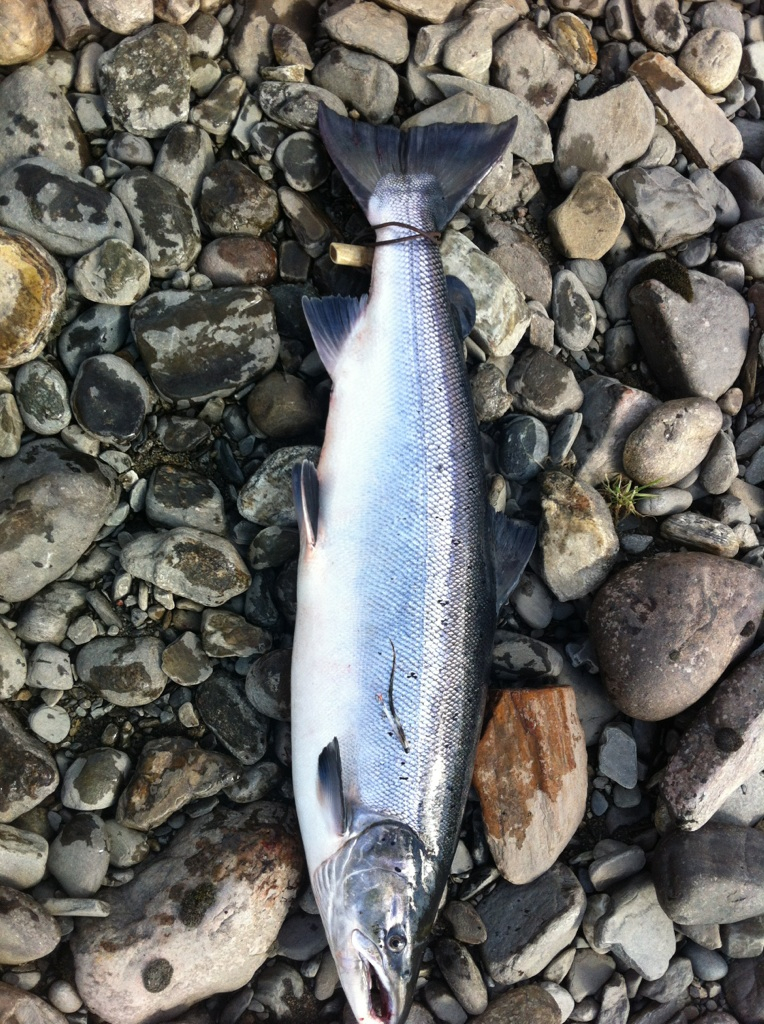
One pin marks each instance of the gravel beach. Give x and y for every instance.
(165, 205)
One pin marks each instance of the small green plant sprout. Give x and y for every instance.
(622, 494)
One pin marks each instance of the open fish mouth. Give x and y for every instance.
(379, 998)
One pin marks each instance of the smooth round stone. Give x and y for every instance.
(671, 441)
(591, 273)
(79, 855)
(523, 448)
(587, 224)
(255, 782)
(303, 160)
(127, 846)
(94, 780)
(711, 58)
(126, 671)
(113, 273)
(663, 207)
(664, 501)
(26, 31)
(720, 467)
(462, 975)
(234, 721)
(227, 635)
(575, 42)
(238, 260)
(216, 113)
(50, 724)
(32, 297)
(110, 399)
(180, 497)
(744, 989)
(572, 311)
(42, 397)
(273, 546)
(707, 964)
(745, 242)
(122, 18)
(236, 201)
(64, 996)
(27, 932)
(130, 149)
(366, 82)
(654, 660)
(281, 406)
(179, 434)
(185, 662)
(543, 386)
(23, 856)
(488, 385)
(98, 330)
(268, 684)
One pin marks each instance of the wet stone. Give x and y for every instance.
(366, 82)
(266, 498)
(542, 386)
(660, 25)
(183, 497)
(145, 80)
(488, 386)
(59, 209)
(227, 635)
(110, 399)
(529, 64)
(185, 158)
(34, 296)
(98, 330)
(79, 855)
(170, 773)
(573, 312)
(185, 662)
(303, 161)
(465, 922)
(13, 665)
(238, 260)
(296, 106)
(267, 685)
(42, 397)
(11, 426)
(636, 930)
(166, 229)
(221, 703)
(113, 273)
(236, 201)
(217, 112)
(663, 207)
(523, 448)
(27, 932)
(462, 975)
(23, 857)
(671, 441)
(618, 756)
(126, 671)
(93, 781)
(228, 338)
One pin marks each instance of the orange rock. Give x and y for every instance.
(26, 31)
(530, 775)
(33, 297)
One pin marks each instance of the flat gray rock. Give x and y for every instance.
(636, 929)
(364, 81)
(42, 397)
(527, 63)
(745, 242)
(23, 856)
(663, 207)
(110, 399)
(744, 989)
(199, 345)
(296, 105)
(543, 386)
(114, 272)
(575, 319)
(183, 497)
(184, 159)
(79, 855)
(126, 671)
(64, 212)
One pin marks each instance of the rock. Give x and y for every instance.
(502, 315)
(663, 207)
(746, 183)
(266, 498)
(268, 685)
(49, 126)
(612, 868)
(126, 848)
(489, 393)
(712, 876)
(23, 856)
(611, 411)
(604, 133)
(43, 398)
(711, 58)
(110, 399)
(527, 1005)
(217, 112)
(178, 497)
(13, 665)
(697, 531)
(543, 386)
(528, 63)
(704, 133)
(226, 635)
(26, 31)
(188, 562)
(719, 751)
(185, 662)
(745, 242)
(296, 106)
(741, 939)
(18, 1005)
(618, 756)
(663, 501)
(671, 441)
(11, 426)
(113, 273)
(578, 543)
(170, 773)
(368, 83)
(662, 28)
(529, 924)
(100, 329)
(743, 989)
(303, 160)
(462, 974)
(516, 655)
(707, 964)
(61, 210)
(573, 312)
(587, 224)
(235, 200)
(79, 856)
(72, 495)
(466, 923)
(588, 973)
(33, 301)
(234, 721)
(635, 929)
(27, 932)
(517, 255)
(166, 228)
(367, 27)
(93, 781)
(122, 18)
(673, 983)
(720, 466)
(145, 80)
(125, 670)
(679, 334)
(666, 628)
(574, 41)
(242, 866)
(185, 158)
(50, 724)
(433, 11)
(530, 775)
(523, 448)
(233, 260)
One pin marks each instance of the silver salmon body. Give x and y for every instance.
(396, 593)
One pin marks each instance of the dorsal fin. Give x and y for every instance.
(458, 155)
(463, 310)
(330, 791)
(305, 490)
(514, 542)
(332, 321)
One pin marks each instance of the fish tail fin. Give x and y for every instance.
(458, 155)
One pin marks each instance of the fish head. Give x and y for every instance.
(378, 897)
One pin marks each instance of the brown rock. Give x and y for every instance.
(17, 1006)
(666, 628)
(282, 406)
(587, 224)
(574, 41)
(530, 775)
(530, 1004)
(33, 293)
(519, 258)
(177, 12)
(196, 920)
(527, 63)
(723, 746)
(26, 31)
(433, 11)
(170, 773)
(124, 18)
(238, 259)
(27, 932)
(700, 126)
(27, 771)
(671, 441)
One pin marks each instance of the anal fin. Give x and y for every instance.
(330, 791)
(305, 489)
(514, 542)
(331, 321)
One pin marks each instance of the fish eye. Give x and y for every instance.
(396, 941)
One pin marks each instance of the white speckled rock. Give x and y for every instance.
(13, 665)
(113, 273)
(266, 498)
(50, 724)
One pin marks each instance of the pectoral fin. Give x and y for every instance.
(305, 489)
(463, 311)
(514, 542)
(330, 791)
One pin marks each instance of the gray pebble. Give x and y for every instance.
(360, 79)
(185, 158)
(42, 397)
(110, 398)
(98, 330)
(23, 857)
(183, 497)
(523, 449)
(672, 985)
(79, 855)
(707, 964)
(301, 937)
(113, 273)
(573, 312)
(462, 975)
(126, 671)
(664, 501)
(93, 781)
(220, 701)
(51, 724)
(303, 160)
(27, 931)
(612, 868)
